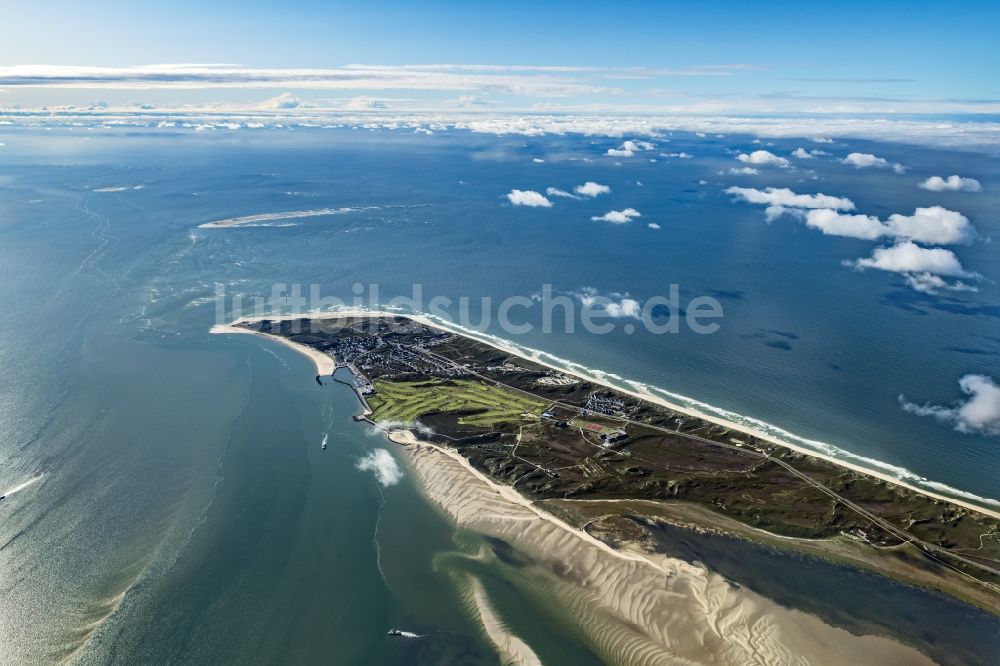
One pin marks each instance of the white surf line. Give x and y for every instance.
(267, 217)
(22, 486)
(827, 452)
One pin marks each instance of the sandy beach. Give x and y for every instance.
(325, 365)
(641, 394)
(634, 608)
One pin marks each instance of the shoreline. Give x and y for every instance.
(507, 347)
(325, 365)
(635, 607)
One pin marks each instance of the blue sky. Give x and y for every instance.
(799, 56)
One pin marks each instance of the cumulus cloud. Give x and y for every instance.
(802, 154)
(528, 198)
(763, 157)
(630, 148)
(954, 183)
(615, 305)
(618, 216)
(908, 257)
(867, 160)
(774, 212)
(743, 171)
(931, 284)
(591, 189)
(681, 155)
(383, 465)
(285, 100)
(935, 225)
(979, 413)
(556, 192)
(833, 223)
(774, 196)
(654, 225)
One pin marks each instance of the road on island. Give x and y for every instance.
(925, 548)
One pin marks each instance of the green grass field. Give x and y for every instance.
(406, 401)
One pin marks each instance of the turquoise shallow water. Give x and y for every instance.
(185, 511)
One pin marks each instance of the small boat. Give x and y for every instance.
(394, 632)
(324, 446)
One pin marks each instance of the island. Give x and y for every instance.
(615, 463)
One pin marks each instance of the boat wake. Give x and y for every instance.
(403, 634)
(18, 488)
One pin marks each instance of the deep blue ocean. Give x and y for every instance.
(180, 474)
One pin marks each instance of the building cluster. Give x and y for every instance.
(403, 359)
(606, 405)
(347, 349)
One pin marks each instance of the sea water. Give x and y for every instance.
(179, 505)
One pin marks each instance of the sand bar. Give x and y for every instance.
(636, 608)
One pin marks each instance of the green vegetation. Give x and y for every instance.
(481, 404)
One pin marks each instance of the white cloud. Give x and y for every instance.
(383, 465)
(802, 154)
(654, 225)
(771, 213)
(935, 225)
(743, 171)
(681, 155)
(538, 81)
(615, 305)
(591, 189)
(908, 257)
(954, 183)
(762, 157)
(932, 284)
(832, 223)
(636, 146)
(630, 148)
(773, 196)
(867, 160)
(556, 192)
(538, 160)
(618, 216)
(821, 139)
(528, 198)
(285, 100)
(979, 413)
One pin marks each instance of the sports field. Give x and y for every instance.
(407, 401)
